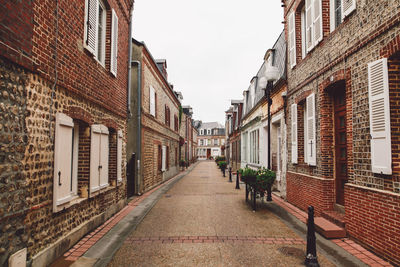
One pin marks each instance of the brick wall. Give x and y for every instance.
(155, 132)
(372, 217)
(13, 138)
(303, 191)
(371, 32)
(16, 31)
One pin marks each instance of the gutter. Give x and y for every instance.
(139, 120)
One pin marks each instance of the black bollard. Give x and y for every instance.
(254, 199)
(311, 254)
(230, 174)
(223, 171)
(237, 180)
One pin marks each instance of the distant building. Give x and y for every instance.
(232, 130)
(153, 142)
(211, 140)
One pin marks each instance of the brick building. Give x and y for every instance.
(232, 132)
(63, 122)
(254, 121)
(187, 134)
(211, 140)
(155, 140)
(343, 126)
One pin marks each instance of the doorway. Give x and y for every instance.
(130, 174)
(339, 98)
(208, 153)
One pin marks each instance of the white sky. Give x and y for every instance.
(213, 47)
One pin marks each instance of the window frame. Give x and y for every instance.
(101, 60)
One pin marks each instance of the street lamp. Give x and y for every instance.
(271, 75)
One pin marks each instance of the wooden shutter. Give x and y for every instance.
(95, 158)
(119, 155)
(311, 132)
(164, 158)
(167, 157)
(294, 133)
(104, 155)
(114, 43)
(62, 161)
(309, 25)
(348, 6)
(91, 10)
(152, 101)
(292, 40)
(379, 113)
(317, 27)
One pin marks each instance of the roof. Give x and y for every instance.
(211, 125)
(279, 61)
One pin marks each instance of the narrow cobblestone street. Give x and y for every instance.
(204, 221)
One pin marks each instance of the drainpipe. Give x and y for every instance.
(139, 123)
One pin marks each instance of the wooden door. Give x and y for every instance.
(208, 153)
(340, 143)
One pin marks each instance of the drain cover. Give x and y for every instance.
(204, 177)
(168, 196)
(291, 251)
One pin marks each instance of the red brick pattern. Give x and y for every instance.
(361, 253)
(303, 191)
(372, 217)
(215, 239)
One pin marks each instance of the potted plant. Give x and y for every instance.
(264, 182)
(222, 166)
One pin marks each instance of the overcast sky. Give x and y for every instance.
(213, 47)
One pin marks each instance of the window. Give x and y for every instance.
(244, 148)
(310, 131)
(101, 33)
(293, 111)
(254, 147)
(292, 40)
(201, 142)
(216, 142)
(159, 158)
(164, 159)
(114, 43)
(312, 19)
(176, 123)
(379, 116)
(65, 161)
(99, 155)
(167, 116)
(152, 101)
(208, 132)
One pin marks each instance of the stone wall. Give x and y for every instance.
(13, 139)
(44, 227)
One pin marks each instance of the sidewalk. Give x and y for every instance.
(77, 255)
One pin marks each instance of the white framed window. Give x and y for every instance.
(201, 131)
(293, 113)
(379, 117)
(201, 142)
(99, 155)
(65, 181)
(95, 29)
(114, 43)
(244, 146)
(152, 96)
(292, 40)
(303, 33)
(216, 142)
(255, 147)
(312, 23)
(208, 131)
(164, 159)
(311, 131)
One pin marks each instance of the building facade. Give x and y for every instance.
(211, 140)
(343, 62)
(254, 128)
(232, 130)
(63, 122)
(158, 141)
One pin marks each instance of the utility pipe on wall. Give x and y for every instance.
(139, 117)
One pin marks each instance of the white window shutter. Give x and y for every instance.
(90, 27)
(292, 40)
(164, 158)
(104, 155)
(348, 6)
(332, 16)
(309, 26)
(95, 158)
(114, 43)
(311, 131)
(294, 133)
(379, 113)
(119, 155)
(317, 27)
(62, 161)
(152, 101)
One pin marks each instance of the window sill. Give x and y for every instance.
(73, 201)
(103, 189)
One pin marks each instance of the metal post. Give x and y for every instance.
(230, 174)
(268, 92)
(254, 199)
(237, 180)
(311, 254)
